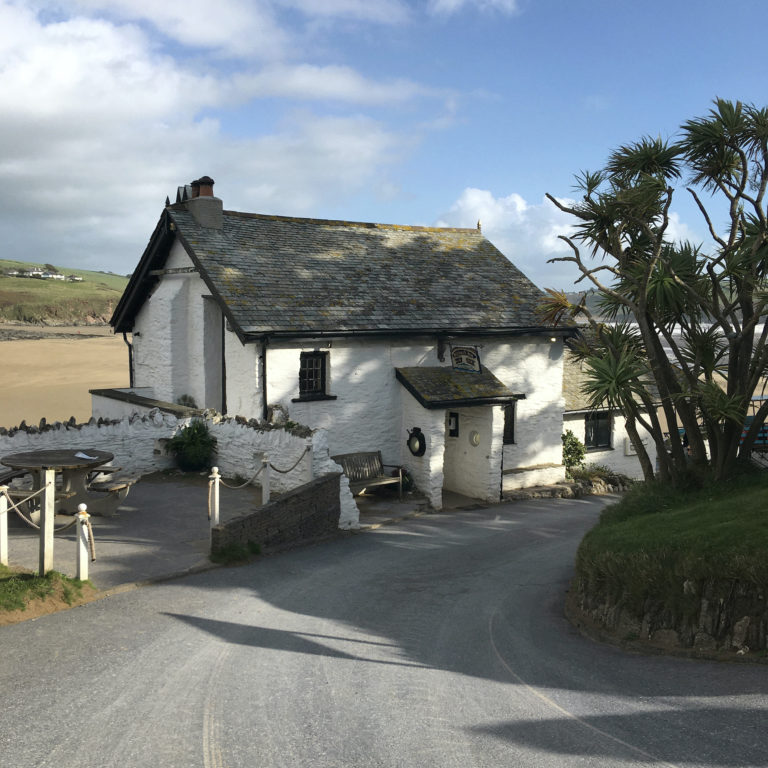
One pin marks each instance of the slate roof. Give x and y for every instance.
(574, 378)
(290, 276)
(444, 387)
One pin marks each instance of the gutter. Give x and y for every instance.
(251, 337)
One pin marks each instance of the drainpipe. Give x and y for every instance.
(263, 355)
(130, 359)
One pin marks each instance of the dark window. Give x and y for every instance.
(312, 374)
(597, 430)
(453, 424)
(509, 424)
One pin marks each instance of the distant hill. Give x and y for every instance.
(57, 301)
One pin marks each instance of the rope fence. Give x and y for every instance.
(215, 480)
(86, 543)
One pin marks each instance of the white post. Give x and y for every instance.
(310, 459)
(47, 518)
(265, 479)
(214, 478)
(83, 536)
(3, 525)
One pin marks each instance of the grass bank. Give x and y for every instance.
(26, 595)
(653, 543)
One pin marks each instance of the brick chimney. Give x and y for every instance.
(207, 209)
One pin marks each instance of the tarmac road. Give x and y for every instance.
(436, 642)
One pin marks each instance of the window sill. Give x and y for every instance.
(599, 449)
(312, 398)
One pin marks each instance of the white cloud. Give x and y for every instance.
(99, 125)
(447, 7)
(381, 11)
(233, 28)
(526, 233)
(305, 81)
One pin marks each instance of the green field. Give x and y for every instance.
(31, 300)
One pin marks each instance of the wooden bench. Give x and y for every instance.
(6, 475)
(366, 470)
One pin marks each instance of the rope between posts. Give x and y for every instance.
(242, 485)
(286, 471)
(17, 509)
(91, 540)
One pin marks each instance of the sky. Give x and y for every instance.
(420, 112)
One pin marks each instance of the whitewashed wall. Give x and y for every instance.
(168, 349)
(533, 366)
(616, 457)
(474, 470)
(138, 441)
(426, 470)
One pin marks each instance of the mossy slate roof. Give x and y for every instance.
(443, 387)
(281, 274)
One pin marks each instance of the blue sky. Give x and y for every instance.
(434, 112)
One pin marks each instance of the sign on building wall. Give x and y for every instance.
(465, 359)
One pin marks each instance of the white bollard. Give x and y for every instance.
(47, 520)
(265, 479)
(83, 539)
(309, 459)
(214, 478)
(3, 525)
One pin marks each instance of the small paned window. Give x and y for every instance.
(312, 374)
(509, 424)
(597, 430)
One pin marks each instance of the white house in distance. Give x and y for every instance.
(603, 431)
(375, 333)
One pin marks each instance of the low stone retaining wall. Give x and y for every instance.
(714, 616)
(306, 513)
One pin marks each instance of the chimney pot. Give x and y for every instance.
(205, 186)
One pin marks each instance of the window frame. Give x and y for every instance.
(319, 377)
(598, 417)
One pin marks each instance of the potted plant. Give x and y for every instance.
(192, 446)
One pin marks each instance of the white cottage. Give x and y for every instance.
(372, 332)
(603, 431)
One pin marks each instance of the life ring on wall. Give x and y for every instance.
(416, 442)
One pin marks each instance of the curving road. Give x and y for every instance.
(436, 642)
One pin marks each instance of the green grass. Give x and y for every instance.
(31, 300)
(236, 553)
(18, 589)
(653, 541)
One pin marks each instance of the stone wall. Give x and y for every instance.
(138, 444)
(303, 514)
(711, 616)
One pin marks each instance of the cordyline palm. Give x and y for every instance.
(614, 363)
(698, 314)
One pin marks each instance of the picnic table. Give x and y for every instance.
(46, 497)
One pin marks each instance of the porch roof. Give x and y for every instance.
(444, 387)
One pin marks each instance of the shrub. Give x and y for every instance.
(192, 446)
(573, 452)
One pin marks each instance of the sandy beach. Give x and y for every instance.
(47, 371)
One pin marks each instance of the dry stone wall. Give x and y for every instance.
(725, 616)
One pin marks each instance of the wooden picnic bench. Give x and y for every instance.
(366, 470)
(6, 475)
